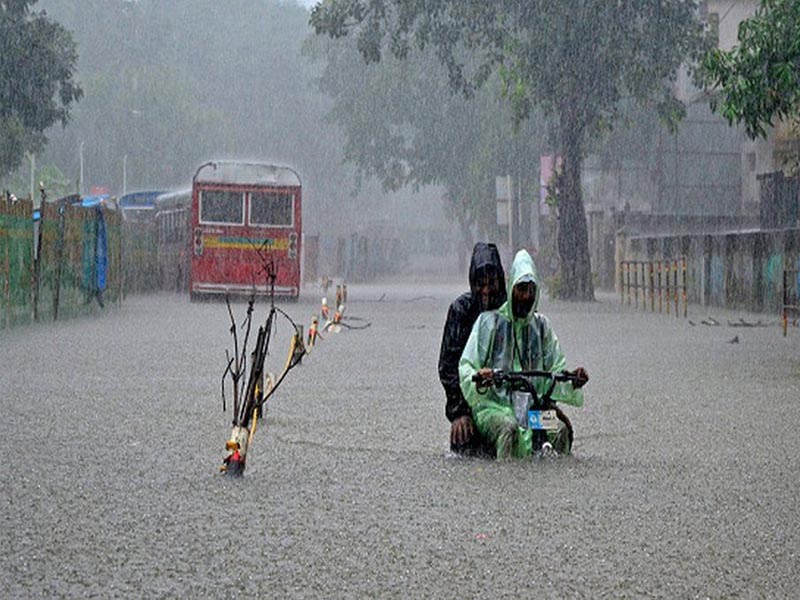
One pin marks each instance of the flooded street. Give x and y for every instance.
(684, 480)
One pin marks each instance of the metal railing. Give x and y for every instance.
(662, 282)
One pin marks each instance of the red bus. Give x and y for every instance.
(243, 215)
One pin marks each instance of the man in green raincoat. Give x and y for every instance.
(516, 338)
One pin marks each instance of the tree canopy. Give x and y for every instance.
(576, 60)
(758, 81)
(37, 64)
(404, 125)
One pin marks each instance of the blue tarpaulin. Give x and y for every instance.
(101, 251)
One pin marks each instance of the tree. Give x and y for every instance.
(37, 63)
(575, 60)
(404, 125)
(759, 79)
(55, 182)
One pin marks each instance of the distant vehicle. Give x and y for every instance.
(245, 217)
(172, 215)
(96, 200)
(83, 201)
(139, 206)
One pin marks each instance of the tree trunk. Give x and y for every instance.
(573, 238)
(459, 206)
(466, 247)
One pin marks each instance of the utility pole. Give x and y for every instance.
(511, 211)
(80, 181)
(33, 177)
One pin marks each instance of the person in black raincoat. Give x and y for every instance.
(487, 292)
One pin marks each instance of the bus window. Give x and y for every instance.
(272, 209)
(218, 206)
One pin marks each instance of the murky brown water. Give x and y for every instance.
(684, 481)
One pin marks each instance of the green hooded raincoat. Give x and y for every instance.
(501, 341)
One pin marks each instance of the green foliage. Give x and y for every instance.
(554, 285)
(574, 60)
(759, 79)
(12, 143)
(552, 189)
(404, 125)
(55, 182)
(37, 63)
(585, 53)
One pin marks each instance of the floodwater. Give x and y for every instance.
(684, 480)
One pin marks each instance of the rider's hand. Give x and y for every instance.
(582, 378)
(461, 431)
(486, 373)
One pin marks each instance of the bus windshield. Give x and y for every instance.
(220, 206)
(271, 209)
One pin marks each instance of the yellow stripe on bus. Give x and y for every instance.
(245, 243)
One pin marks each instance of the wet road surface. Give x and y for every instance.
(684, 480)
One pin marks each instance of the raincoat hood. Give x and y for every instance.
(523, 268)
(485, 255)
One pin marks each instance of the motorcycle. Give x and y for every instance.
(539, 413)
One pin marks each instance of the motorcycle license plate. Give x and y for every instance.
(546, 420)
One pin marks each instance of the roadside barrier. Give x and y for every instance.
(79, 262)
(16, 261)
(59, 263)
(251, 383)
(313, 334)
(660, 283)
(324, 309)
(791, 298)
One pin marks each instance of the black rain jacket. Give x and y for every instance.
(461, 316)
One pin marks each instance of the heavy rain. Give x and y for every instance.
(240, 234)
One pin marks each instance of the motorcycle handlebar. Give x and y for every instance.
(499, 376)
